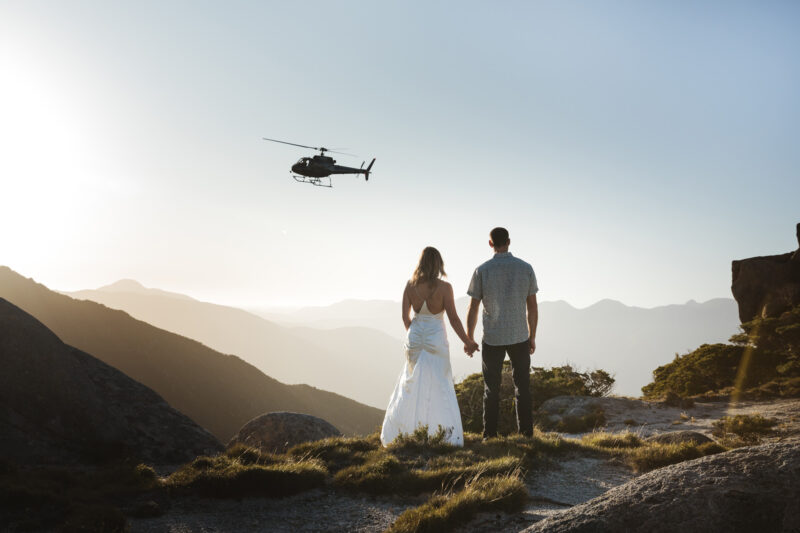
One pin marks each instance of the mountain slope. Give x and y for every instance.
(59, 404)
(220, 392)
(359, 362)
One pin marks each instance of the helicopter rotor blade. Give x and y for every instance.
(321, 148)
(293, 144)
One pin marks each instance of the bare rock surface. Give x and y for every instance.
(59, 405)
(748, 489)
(277, 432)
(319, 510)
(653, 418)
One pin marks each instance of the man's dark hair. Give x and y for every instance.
(499, 237)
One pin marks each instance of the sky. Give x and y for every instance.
(632, 149)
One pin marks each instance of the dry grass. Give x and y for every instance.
(226, 477)
(446, 511)
(652, 456)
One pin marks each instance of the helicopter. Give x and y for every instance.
(317, 170)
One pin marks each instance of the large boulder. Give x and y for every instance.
(744, 490)
(767, 286)
(59, 405)
(277, 432)
(679, 437)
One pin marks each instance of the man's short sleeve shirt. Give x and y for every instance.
(503, 284)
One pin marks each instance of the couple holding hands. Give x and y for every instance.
(424, 394)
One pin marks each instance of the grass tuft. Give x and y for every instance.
(446, 511)
(612, 440)
(657, 455)
(229, 478)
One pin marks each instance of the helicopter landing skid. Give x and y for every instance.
(318, 182)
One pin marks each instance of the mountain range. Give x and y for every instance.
(359, 362)
(336, 346)
(220, 392)
(629, 342)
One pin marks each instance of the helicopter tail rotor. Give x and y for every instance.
(366, 172)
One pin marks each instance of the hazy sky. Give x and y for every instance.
(632, 148)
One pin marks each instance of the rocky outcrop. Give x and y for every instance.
(560, 408)
(767, 286)
(277, 432)
(749, 489)
(679, 437)
(59, 405)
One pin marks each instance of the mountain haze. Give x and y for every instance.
(356, 361)
(220, 392)
(629, 342)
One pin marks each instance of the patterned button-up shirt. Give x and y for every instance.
(503, 284)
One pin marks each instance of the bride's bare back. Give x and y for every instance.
(424, 293)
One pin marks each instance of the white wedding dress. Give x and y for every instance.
(424, 394)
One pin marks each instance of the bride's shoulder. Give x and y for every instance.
(446, 285)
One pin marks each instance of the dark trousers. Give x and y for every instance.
(493, 357)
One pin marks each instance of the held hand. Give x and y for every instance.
(471, 347)
(533, 345)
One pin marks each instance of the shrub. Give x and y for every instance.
(762, 361)
(748, 429)
(546, 383)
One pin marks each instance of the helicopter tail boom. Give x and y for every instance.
(366, 173)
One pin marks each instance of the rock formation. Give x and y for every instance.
(277, 432)
(679, 437)
(59, 405)
(744, 490)
(767, 286)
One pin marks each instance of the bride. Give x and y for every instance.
(424, 393)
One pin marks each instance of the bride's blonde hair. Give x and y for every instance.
(430, 267)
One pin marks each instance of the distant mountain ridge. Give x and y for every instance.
(627, 341)
(354, 360)
(220, 392)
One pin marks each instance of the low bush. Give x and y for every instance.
(546, 383)
(763, 361)
(743, 429)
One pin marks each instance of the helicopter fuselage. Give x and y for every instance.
(321, 166)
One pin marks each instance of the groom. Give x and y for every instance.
(507, 287)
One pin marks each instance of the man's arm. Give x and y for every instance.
(472, 317)
(533, 320)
